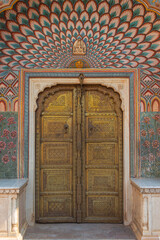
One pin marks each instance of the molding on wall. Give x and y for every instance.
(147, 185)
(12, 186)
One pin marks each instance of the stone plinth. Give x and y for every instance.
(12, 208)
(146, 208)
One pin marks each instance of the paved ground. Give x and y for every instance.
(65, 231)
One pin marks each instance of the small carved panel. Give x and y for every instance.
(56, 180)
(98, 102)
(101, 153)
(56, 206)
(59, 102)
(101, 206)
(56, 127)
(102, 127)
(56, 153)
(102, 180)
(79, 47)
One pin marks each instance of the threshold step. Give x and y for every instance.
(74, 231)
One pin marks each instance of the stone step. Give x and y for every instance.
(85, 231)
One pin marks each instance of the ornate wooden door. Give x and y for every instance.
(102, 164)
(79, 155)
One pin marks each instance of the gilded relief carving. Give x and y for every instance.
(79, 47)
(56, 153)
(54, 180)
(56, 206)
(102, 180)
(103, 127)
(55, 127)
(99, 206)
(101, 153)
(59, 102)
(98, 102)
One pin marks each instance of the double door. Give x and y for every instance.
(79, 155)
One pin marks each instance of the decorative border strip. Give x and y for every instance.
(132, 74)
(8, 5)
(14, 190)
(149, 7)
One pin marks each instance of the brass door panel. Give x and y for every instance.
(53, 127)
(98, 102)
(101, 153)
(102, 167)
(56, 181)
(56, 165)
(102, 180)
(101, 127)
(56, 153)
(56, 208)
(60, 102)
(79, 155)
(101, 208)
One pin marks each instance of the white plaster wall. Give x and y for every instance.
(22, 210)
(4, 203)
(120, 85)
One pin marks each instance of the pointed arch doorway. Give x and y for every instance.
(79, 155)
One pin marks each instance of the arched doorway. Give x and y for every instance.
(79, 174)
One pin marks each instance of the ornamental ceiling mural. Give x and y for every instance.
(117, 34)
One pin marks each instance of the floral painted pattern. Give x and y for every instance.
(150, 144)
(2, 145)
(8, 144)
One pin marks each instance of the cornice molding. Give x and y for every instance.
(146, 189)
(150, 190)
(13, 190)
(9, 191)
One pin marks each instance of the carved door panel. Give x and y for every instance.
(102, 167)
(55, 170)
(79, 155)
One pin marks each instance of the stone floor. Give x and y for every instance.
(75, 231)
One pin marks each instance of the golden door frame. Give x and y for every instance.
(118, 110)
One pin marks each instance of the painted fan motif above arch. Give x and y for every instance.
(117, 34)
